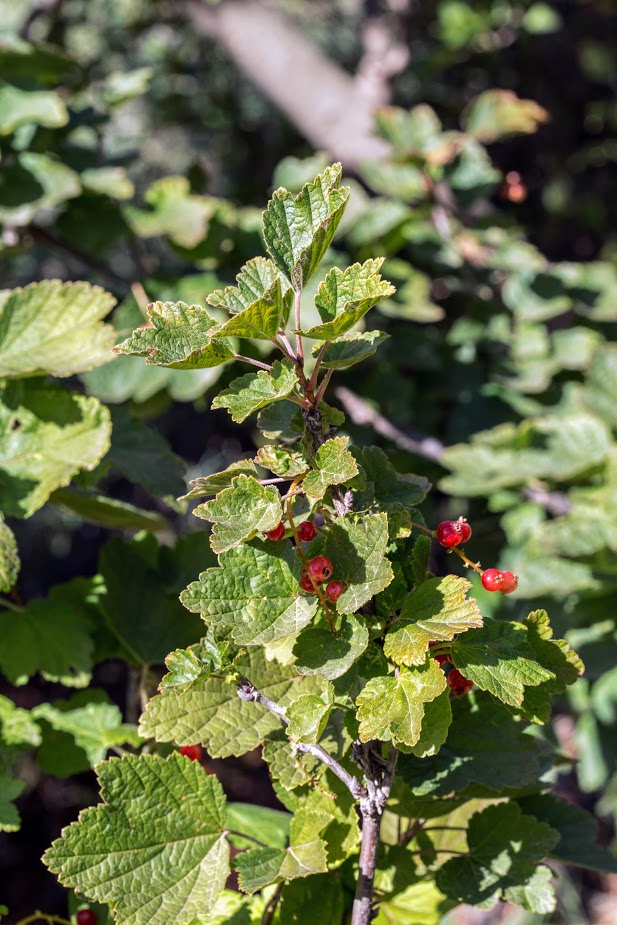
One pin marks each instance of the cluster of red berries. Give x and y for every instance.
(319, 569)
(454, 532)
(86, 916)
(457, 682)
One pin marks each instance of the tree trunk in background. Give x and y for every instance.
(330, 108)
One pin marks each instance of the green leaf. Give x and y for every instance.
(308, 717)
(269, 826)
(286, 768)
(180, 336)
(557, 657)
(345, 296)
(301, 898)
(418, 904)
(392, 708)
(143, 456)
(282, 461)
(10, 789)
(255, 592)
(496, 114)
(350, 348)
(95, 727)
(218, 481)
(46, 436)
(260, 303)
(51, 636)
(211, 711)
(281, 421)
(420, 559)
(386, 487)
(436, 611)
(536, 296)
(505, 847)
(187, 667)
(17, 726)
(108, 512)
(19, 107)
(334, 466)
(241, 511)
(298, 230)
(36, 182)
(141, 606)
(578, 831)
(175, 212)
(356, 547)
(486, 750)
(321, 652)
(435, 724)
(9, 557)
(53, 327)
(499, 658)
(155, 847)
(253, 391)
(305, 855)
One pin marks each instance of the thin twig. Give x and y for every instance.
(11, 606)
(285, 346)
(322, 388)
(362, 413)
(243, 359)
(268, 913)
(248, 692)
(313, 380)
(41, 234)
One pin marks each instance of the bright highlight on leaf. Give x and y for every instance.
(334, 465)
(155, 847)
(392, 708)
(53, 327)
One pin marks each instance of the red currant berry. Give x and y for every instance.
(191, 751)
(465, 530)
(334, 589)
(306, 583)
(450, 533)
(509, 582)
(457, 683)
(86, 916)
(277, 534)
(307, 531)
(320, 568)
(440, 659)
(492, 579)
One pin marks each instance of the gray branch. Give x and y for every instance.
(247, 691)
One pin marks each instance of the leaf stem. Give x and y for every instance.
(268, 913)
(313, 380)
(299, 353)
(248, 837)
(247, 691)
(322, 388)
(243, 359)
(285, 346)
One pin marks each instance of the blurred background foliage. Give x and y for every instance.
(135, 153)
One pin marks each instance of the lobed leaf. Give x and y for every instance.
(217, 481)
(320, 652)
(241, 511)
(437, 610)
(179, 336)
(9, 557)
(392, 708)
(54, 327)
(500, 658)
(350, 348)
(282, 461)
(260, 303)
(253, 391)
(155, 847)
(495, 114)
(505, 847)
(334, 465)
(357, 547)
(345, 296)
(47, 435)
(298, 230)
(254, 592)
(211, 711)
